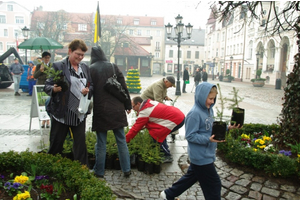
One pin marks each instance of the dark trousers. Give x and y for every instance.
(183, 88)
(58, 135)
(206, 175)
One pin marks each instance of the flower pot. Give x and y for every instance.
(63, 83)
(140, 165)
(117, 165)
(92, 161)
(258, 83)
(157, 168)
(219, 130)
(148, 168)
(109, 162)
(133, 160)
(237, 116)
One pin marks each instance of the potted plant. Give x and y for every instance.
(238, 114)
(58, 78)
(258, 82)
(227, 77)
(220, 126)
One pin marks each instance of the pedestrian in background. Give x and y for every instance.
(201, 147)
(186, 77)
(16, 69)
(31, 80)
(159, 119)
(41, 76)
(109, 113)
(158, 90)
(197, 77)
(204, 75)
(63, 106)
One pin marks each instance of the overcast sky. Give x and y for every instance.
(193, 11)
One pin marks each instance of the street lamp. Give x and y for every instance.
(257, 62)
(231, 58)
(179, 32)
(213, 78)
(25, 32)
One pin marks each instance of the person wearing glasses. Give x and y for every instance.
(201, 147)
(159, 119)
(63, 106)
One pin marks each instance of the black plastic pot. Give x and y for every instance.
(140, 165)
(109, 162)
(157, 168)
(148, 168)
(219, 130)
(237, 116)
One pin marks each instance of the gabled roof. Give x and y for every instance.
(143, 20)
(134, 49)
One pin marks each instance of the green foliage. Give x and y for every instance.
(72, 174)
(222, 101)
(295, 147)
(258, 74)
(227, 72)
(290, 114)
(52, 73)
(235, 100)
(90, 141)
(111, 145)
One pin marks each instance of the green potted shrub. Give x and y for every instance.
(258, 81)
(58, 78)
(111, 150)
(227, 77)
(220, 126)
(90, 141)
(238, 114)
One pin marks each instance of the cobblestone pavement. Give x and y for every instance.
(262, 105)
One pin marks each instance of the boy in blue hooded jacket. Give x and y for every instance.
(201, 147)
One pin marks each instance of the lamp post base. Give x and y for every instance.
(178, 92)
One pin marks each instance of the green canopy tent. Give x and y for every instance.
(41, 43)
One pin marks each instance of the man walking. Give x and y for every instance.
(197, 77)
(204, 75)
(186, 77)
(16, 69)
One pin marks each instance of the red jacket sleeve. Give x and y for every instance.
(138, 125)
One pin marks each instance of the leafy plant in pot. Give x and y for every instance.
(258, 82)
(58, 78)
(238, 114)
(220, 126)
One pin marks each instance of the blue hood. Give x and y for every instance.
(201, 94)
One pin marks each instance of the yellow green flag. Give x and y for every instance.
(97, 22)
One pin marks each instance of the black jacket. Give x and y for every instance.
(186, 75)
(59, 101)
(108, 112)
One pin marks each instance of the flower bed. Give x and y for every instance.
(253, 146)
(72, 176)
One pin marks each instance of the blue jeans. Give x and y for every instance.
(31, 83)
(17, 80)
(100, 151)
(207, 177)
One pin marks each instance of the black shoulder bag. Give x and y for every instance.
(113, 87)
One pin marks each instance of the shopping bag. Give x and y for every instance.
(84, 104)
(187, 82)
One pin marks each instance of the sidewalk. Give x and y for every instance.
(262, 105)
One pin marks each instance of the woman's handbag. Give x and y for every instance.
(113, 87)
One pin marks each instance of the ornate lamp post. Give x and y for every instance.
(25, 32)
(213, 78)
(257, 63)
(179, 32)
(231, 58)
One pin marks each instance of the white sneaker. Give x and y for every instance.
(163, 195)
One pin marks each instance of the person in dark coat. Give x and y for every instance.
(197, 77)
(63, 106)
(108, 112)
(186, 77)
(204, 75)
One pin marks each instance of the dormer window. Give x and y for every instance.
(136, 22)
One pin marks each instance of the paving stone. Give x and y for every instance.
(247, 176)
(236, 172)
(233, 196)
(270, 192)
(256, 186)
(288, 188)
(271, 184)
(266, 197)
(238, 189)
(255, 195)
(242, 182)
(223, 174)
(232, 178)
(258, 179)
(290, 196)
(227, 184)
